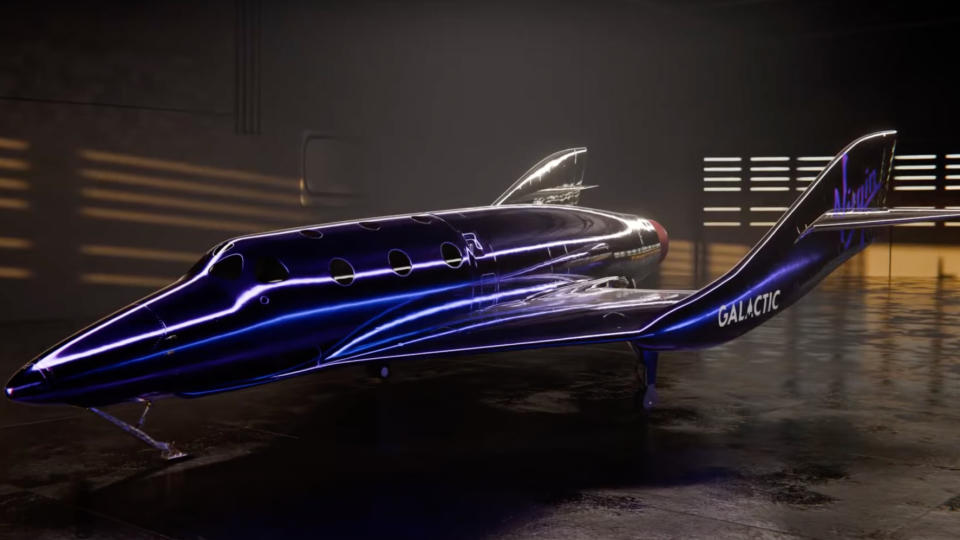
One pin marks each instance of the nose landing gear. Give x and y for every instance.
(167, 450)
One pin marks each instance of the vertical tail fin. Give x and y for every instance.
(858, 178)
(785, 263)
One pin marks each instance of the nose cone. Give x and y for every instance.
(59, 373)
(663, 238)
(24, 385)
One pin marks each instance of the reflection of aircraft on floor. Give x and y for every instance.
(530, 270)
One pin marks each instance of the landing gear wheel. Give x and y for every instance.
(646, 376)
(379, 371)
(648, 397)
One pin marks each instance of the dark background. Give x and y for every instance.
(448, 102)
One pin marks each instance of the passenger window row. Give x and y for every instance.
(272, 270)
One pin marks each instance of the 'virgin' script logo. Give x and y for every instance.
(855, 199)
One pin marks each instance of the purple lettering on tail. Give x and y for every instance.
(845, 199)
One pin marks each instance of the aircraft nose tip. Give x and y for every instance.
(121, 336)
(25, 384)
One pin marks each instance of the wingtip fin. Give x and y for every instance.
(555, 179)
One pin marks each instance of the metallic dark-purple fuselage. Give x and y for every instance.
(266, 306)
(513, 275)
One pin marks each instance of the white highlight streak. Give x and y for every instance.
(914, 177)
(721, 223)
(916, 167)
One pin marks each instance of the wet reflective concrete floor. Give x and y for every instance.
(839, 418)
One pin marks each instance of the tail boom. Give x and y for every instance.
(789, 260)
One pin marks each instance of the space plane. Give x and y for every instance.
(532, 269)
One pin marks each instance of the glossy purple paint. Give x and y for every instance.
(521, 275)
(206, 332)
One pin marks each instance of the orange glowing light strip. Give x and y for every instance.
(186, 168)
(677, 266)
(127, 280)
(13, 183)
(14, 164)
(13, 204)
(13, 144)
(171, 219)
(189, 186)
(188, 204)
(15, 243)
(138, 253)
(10, 272)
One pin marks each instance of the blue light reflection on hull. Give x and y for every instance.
(532, 276)
(209, 322)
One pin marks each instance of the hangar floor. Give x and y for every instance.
(837, 419)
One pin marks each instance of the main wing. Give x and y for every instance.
(570, 312)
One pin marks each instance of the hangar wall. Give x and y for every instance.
(135, 136)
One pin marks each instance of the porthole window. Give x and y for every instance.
(270, 270)
(451, 255)
(341, 271)
(311, 233)
(229, 267)
(420, 218)
(399, 262)
(369, 225)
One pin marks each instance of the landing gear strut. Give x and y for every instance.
(646, 372)
(167, 450)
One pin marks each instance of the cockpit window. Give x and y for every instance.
(229, 267)
(198, 266)
(202, 263)
(270, 270)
